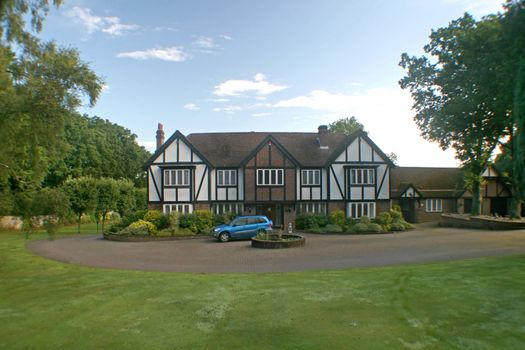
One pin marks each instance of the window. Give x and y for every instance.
(362, 176)
(360, 209)
(223, 208)
(270, 177)
(434, 205)
(177, 177)
(313, 208)
(226, 177)
(311, 177)
(180, 208)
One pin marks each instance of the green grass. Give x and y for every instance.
(470, 304)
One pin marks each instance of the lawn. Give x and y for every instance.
(470, 304)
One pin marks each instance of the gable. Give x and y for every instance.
(359, 148)
(177, 149)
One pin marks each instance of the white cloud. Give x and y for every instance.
(386, 114)
(477, 8)
(164, 29)
(259, 86)
(204, 42)
(191, 106)
(264, 114)
(173, 54)
(108, 24)
(221, 100)
(226, 37)
(228, 109)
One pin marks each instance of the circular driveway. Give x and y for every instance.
(424, 244)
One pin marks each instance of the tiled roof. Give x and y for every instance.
(230, 149)
(430, 182)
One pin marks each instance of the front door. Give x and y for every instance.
(273, 212)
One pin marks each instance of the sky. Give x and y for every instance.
(246, 65)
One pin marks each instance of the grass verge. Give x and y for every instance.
(470, 304)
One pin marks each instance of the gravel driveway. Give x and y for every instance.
(425, 244)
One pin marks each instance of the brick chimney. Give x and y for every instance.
(322, 131)
(160, 135)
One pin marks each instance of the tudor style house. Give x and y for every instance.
(283, 174)
(274, 174)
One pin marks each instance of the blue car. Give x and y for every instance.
(242, 227)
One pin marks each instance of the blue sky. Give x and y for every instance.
(210, 66)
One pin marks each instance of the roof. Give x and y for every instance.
(430, 182)
(230, 149)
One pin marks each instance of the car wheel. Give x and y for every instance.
(224, 237)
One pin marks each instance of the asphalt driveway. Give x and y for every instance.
(425, 244)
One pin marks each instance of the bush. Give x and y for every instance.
(385, 220)
(338, 217)
(333, 229)
(140, 227)
(203, 221)
(398, 226)
(219, 219)
(359, 228)
(309, 221)
(395, 213)
(152, 216)
(186, 220)
(316, 230)
(364, 220)
(173, 218)
(374, 228)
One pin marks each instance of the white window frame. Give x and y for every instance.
(362, 176)
(227, 177)
(312, 208)
(180, 208)
(270, 175)
(177, 177)
(311, 177)
(359, 209)
(434, 205)
(225, 208)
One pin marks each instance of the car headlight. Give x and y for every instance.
(216, 229)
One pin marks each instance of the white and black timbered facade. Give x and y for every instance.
(274, 174)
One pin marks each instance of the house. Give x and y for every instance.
(278, 174)
(283, 174)
(425, 193)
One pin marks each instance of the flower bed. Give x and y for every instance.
(145, 238)
(481, 222)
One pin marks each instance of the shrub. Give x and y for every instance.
(309, 221)
(398, 226)
(153, 216)
(359, 228)
(140, 227)
(396, 213)
(333, 229)
(316, 230)
(385, 220)
(203, 221)
(186, 220)
(364, 220)
(374, 228)
(174, 220)
(338, 217)
(219, 219)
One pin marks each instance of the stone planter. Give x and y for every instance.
(273, 242)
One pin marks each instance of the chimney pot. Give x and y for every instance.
(323, 129)
(160, 135)
(322, 132)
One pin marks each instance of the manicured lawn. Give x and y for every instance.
(471, 304)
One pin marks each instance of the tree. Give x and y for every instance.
(40, 84)
(459, 94)
(346, 125)
(82, 194)
(98, 148)
(107, 197)
(53, 204)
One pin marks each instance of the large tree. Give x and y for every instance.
(40, 85)
(346, 125)
(460, 92)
